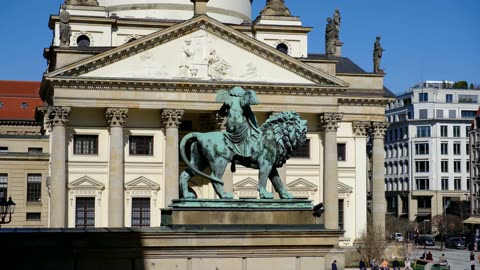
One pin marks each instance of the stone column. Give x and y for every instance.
(57, 118)
(360, 130)
(220, 123)
(172, 120)
(329, 125)
(378, 174)
(116, 119)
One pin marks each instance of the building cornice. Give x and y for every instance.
(363, 101)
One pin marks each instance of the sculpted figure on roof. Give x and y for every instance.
(275, 8)
(81, 2)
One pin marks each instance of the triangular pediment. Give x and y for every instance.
(246, 183)
(199, 50)
(86, 182)
(142, 183)
(301, 184)
(344, 188)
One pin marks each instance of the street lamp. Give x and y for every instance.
(7, 208)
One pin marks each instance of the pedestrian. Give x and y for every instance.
(384, 264)
(429, 256)
(472, 260)
(408, 264)
(395, 264)
(334, 265)
(373, 265)
(362, 265)
(442, 258)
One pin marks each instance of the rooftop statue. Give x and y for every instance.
(81, 2)
(65, 29)
(265, 148)
(330, 41)
(377, 56)
(275, 8)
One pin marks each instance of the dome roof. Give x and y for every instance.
(226, 11)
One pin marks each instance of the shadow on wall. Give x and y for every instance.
(73, 249)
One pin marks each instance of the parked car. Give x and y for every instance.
(425, 241)
(398, 237)
(455, 242)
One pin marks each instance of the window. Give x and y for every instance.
(1, 105)
(421, 149)
(3, 149)
(457, 166)
(424, 202)
(439, 113)
(422, 184)
(422, 166)
(468, 166)
(3, 185)
(341, 152)
(85, 212)
(456, 149)
(468, 183)
(444, 183)
(24, 105)
(34, 187)
(449, 98)
(141, 145)
(33, 216)
(444, 131)
(283, 48)
(303, 151)
(35, 150)
(467, 130)
(444, 165)
(452, 114)
(467, 99)
(83, 41)
(85, 144)
(423, 114)
(391, 204)
(444, 148)
(468, 114)
(457, 184)
(341, 219)
(140, 212)
(456, 131)
(423, 131)
(423, 97)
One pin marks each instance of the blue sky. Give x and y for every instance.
(440, 37)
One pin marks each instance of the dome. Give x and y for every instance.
(226, 11)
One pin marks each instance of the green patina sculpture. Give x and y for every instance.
(265, 148)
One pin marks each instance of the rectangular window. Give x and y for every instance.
(303, 151)
(33, 216)
(422, 166)
(467, 131)
(439, 114)
(456, 149)
(423, 97)
(3, 149)
(444, 131)
(457, 184)
(457, 166)
(468, 183)
(444, 148)
(423, 114)
(421, 149)
(424, 202)
(468, 166)
(341, 219)
(85, 212)
(423, 131)
(35, 150)
(444, 165)
(452, 114)
(444, 183)
(341, 152)
(85, 144)
(3, 185)
(449, 98)
(456, 131)
(467, 99)
(34, 187)
(422, 184)
(141, 145)
(140, 212)
(468, 114)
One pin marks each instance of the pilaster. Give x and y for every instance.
(328, 123)
(116, 119)
(57, 119)
(171, 119)
(378, 130)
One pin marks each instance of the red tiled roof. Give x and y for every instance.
(18, 100)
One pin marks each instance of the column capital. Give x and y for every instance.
(172, 118)
(378, 129)
(360, 128)
(116, 117)
(328, 122)
(57, 116)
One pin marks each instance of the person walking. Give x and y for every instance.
(362, 265)
(384, 264)
(334, 265)
(395, 264)
(442, 258)
(408, 264)
(472, 260)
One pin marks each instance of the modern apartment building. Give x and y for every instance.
(427, 149)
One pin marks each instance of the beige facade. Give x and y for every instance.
(153, 90)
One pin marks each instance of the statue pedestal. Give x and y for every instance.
(240, 212)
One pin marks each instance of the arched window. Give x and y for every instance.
(132, 39)
(83, 41)
(24, 105)
(283, 48)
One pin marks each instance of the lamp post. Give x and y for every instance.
(7, 208)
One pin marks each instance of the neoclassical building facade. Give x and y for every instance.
(128, 86)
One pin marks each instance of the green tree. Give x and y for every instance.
(471, 86)
(460, 85)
